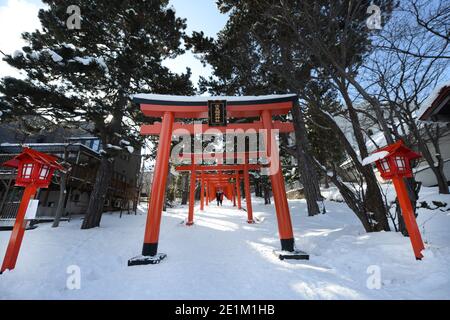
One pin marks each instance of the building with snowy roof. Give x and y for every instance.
(83, 155)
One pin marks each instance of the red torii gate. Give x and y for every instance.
(170, 108)
(220, 178)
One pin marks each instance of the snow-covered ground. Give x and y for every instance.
(222, 257)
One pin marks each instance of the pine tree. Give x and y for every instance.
(251, 56)
(276, 46)
(88, 74)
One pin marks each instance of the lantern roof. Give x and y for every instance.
(397, 148)
(36, 156)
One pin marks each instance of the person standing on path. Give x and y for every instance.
(219, 197)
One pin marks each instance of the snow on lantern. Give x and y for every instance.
(34, 170)
(394, 163)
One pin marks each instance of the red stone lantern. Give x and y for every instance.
(394, 163)
(34, 170)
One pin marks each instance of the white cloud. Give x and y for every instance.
(16, 16)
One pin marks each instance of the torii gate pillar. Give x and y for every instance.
(238, 190)
(248, 196)
(202, 193)
(150, 253)
(207, 193)
(190, 221)
(279, 191)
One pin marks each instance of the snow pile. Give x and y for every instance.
(35, 55)
(88, 60)
(130, 149)
(69, 46)
(223, 257)
(17, 54)
(124, 142)
(110, 146)
(375, 157)
(55, 57)
(127, 145)
(332, 194)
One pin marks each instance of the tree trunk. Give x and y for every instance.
(266, 194)
(372, 200)
(167, 197)
(62, 193)
(308, 174)
(441, 179)
(184, 196)
(98, 194)
(326, 181)
(374, 203)
(60, 207)
(258, 187)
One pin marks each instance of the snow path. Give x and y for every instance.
(222, 257)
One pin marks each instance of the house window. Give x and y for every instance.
(96, 145)
(26, 170)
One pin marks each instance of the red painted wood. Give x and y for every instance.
(238, 189)
(202, 192)
(218, 167)
(408, 217)
(159, 181)
(15, 241)
(185, 129)
(191, 199)
(201, 111)
(248, 196)
(279, 191)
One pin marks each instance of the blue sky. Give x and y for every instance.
(201, 15)
(17, 16)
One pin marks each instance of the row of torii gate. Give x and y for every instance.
(227, 176)
(214, 177)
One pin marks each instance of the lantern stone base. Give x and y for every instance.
(144, 260)
(291, 255)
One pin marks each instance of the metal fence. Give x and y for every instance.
(9, 210)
